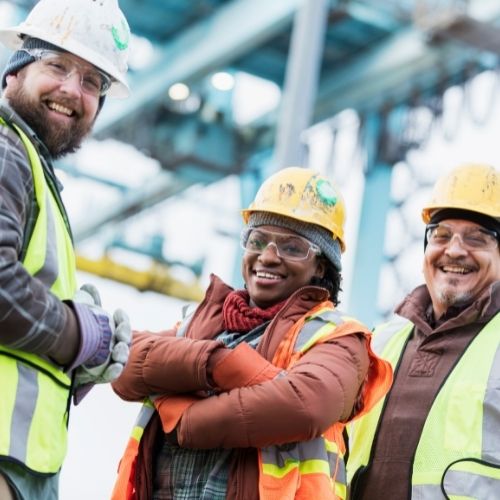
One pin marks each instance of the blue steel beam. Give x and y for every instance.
(132, 202)
(371, 230)
(379, 15)
(394, 69)
(234, 30)
(301, 82)
(201, 158)
(389, 72)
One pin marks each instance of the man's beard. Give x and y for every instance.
(453, 298)
(58, 140)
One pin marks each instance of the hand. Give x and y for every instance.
(115, 335)
(88, 294)
(118, 356)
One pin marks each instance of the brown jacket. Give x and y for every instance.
(320, 389)
(430, 355)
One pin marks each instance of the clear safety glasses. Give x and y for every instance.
(288, 246)
(60, 67)
(472, 239)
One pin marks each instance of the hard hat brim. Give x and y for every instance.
(13, 39)
(247, 212)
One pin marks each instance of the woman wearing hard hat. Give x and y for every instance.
(247, 398)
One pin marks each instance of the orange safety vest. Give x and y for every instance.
(316, 468)
(304, 470)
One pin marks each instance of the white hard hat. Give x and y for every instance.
(96, 31)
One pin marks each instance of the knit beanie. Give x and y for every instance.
(329, 246)
(485, 221)
(21, 58)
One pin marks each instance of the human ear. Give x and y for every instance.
(10, 81)
(10, 78)
(320, 268)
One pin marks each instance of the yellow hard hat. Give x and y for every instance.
(473, 187)
(302, 194)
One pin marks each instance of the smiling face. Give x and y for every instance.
(456, 276)
(60, 113)
(269, 279)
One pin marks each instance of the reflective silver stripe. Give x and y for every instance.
(491, 412)
(427, 492)
(301, 452)
(48, 273)
(385, 332)
(24, 409)
(472, 485)
(314, 324)
(144, 416)
(187, 316)
(341, 476)
(297, 452)
(331, 316)
(307, 331)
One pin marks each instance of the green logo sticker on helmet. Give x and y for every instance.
(326, 193)
(121, 36)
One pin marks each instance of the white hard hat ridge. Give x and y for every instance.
(94, 30)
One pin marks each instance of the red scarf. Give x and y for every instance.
(239, 316)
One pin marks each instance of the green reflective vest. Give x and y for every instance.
(458, 454)
(35, 393)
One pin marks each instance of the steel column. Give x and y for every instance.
(371, 232)
(301, 82)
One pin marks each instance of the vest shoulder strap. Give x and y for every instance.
(187, 315)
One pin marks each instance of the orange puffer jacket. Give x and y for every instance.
(321, 388)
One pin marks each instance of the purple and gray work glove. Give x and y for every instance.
(105, 340)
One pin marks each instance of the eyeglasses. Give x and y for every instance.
(61, 67)
(470, 239)
(288, 246)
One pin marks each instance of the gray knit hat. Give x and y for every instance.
(21, 58)
(312, 232)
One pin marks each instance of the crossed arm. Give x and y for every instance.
(246, 402)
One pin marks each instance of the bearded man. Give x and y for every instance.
(55, 340)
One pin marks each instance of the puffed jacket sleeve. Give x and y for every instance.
(319, 390)
(161, 363)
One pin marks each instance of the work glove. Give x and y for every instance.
(105, 339)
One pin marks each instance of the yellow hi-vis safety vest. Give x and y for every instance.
(458, 454)
(35, 397)
(305, 470)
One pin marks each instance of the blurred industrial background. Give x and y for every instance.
(381, 96)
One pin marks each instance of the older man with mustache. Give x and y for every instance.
(436, 436)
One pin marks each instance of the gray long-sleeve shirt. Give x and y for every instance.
(31, 317)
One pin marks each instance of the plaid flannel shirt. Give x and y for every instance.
(187, 474)
(31, 318)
